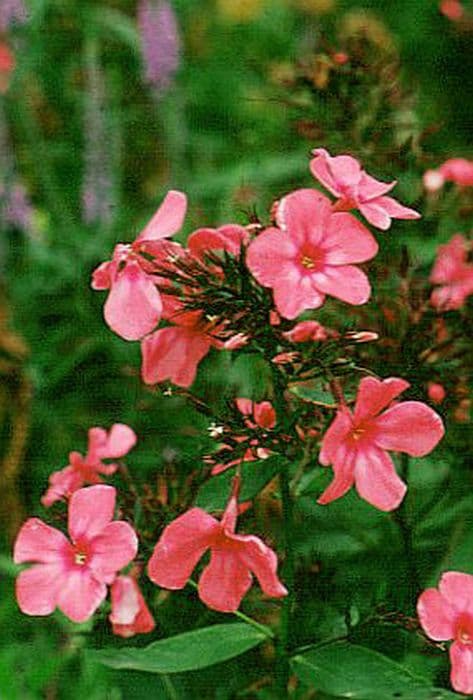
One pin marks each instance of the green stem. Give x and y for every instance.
(404, 526)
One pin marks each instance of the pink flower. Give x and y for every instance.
(134, 305)
(310, 255)
(86, 470)
(305, 331)
(454, 273)
(458, 170)
(130, 615)
(344, 178)
(436, 392)
(433, 180)
(73, 575)
(229, 238)
(356, 444)
(452, 9)
(263, 413)
(233, 562)
(447, 613)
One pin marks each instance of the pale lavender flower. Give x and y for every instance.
(17, 209)
(160, 42)
(12, 11)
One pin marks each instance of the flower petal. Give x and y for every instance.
(268, 254)
(461, 675)
(370, 188)
(347, 241)
(375, 214)
(181, 545)
(90, 510)
(304, 215)
(130, 615)
(396, 210)
(409, 426)
(168, 219)
(335, 435)
(436, 615)
(173, 353)
(62, 484)
(134, 305)
(375, 394)
(262, 561)
(112, 549)
(345, 282)
(37, 589)
(224, 581)
(376, 479)
(119, 442)
(80, 594)
(293, 293)
(38, 542)
(343, 476)
(457, 588)
(264, 415)
(103, 275)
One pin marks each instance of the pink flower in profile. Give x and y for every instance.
(134, 304)
(130, 615)
(87, 470)
(311, 254)
(458, 170)
(447, 614)
(229, 238)
(73, 575)
(344, 178)
(234, 558)
(454, 273)
(306, 331)
(357, 444)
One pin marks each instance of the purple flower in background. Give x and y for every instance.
(12, 11)
(160, 42)
(17, 209)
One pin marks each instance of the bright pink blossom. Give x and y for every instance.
(447, 614)
(130, 615)
(87, 470)
(344, 178)
(229, 238)
(234, 558)
(458, 170)
(454, 273)
(73, 575)
(311, 255)
(134, 305)
(357, 444)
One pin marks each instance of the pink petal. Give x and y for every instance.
(345, 282)
(38, 542)
(245, 406)
(451, 260)
(173, 353)
(80, 594)
(264, 415)
(62, 484)
(375, 394)
(336, 434)
(134, 305)
(120, 441)
(229, 237)
(409, 426)
(103, 275)
(224, 581)
(90, 510)
(294, 292)
(267, 253)
(124, 599)
(338, 174)
(395, 210)
(436, 615)
(321, 171)
(370, 188)
(262, 562)
(375, 214)
(111, 550)
(181, 545)
(347, 241)
(376, 479)
(168, 219)
(344, 477)
(457, 588)
(37, 589)
(461, 675)
(304, 216)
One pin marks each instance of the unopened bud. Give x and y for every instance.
(361, 336)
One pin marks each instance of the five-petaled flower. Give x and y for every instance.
(233, 560)
(73, 575)
(447, 614)
(130, 615)
(311, 254)
(134, 304)
(357, 444)
(355, 189)
(454, 273)
(87, 470)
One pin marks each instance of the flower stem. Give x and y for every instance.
(406, 533)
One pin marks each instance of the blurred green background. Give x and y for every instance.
(89, 148)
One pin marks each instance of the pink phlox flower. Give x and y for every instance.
(134, 305)
(344, 178)
(229, 238)
(130, 615)
(260, 414)
(357, 444)
(454, 273)
(82, 470)
(447, 614)
(234, 559)
(306, 331)
(436, 392)
(73, 575)
(452, 9)
(458, 170)
(311, 254)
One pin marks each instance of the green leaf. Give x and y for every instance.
(344, 670)
(185, 652)
(213, 495)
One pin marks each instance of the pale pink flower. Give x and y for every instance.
(130, 615)
(134, 304)
(73, 575)
(344, 178)
(311, 254)
(458, 170)
(454, 273)
(433, 180)
(357, 444)
(234, 558)
(87, 470)
(447, 614)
